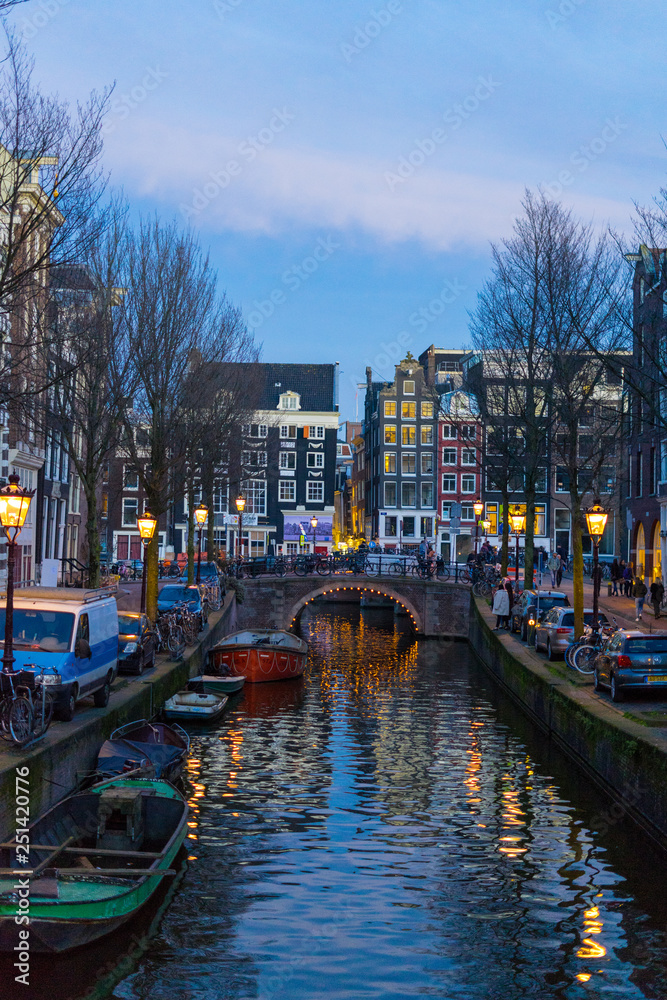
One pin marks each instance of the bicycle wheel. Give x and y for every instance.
(323, 567)
(370, 568)
(300, 567)
(21, 720)
(280, 567)
(397, 569)
(175, 639)
(443, 573)
(43, 708)
(569, 653)
(584, 659)
(464, 575)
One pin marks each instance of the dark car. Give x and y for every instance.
(632, 661)
(179, 593)
(136, 642)
(526, 608)
(208, 573)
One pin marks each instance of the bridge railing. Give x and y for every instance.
(371, 564)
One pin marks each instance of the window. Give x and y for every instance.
(492, 516)
(253, 459)
(562, 480)
(468, 483)
(315, 460)
(390, 527)
(390, 434)
(469, 432)
(409, 527)
(315, 491)
(468, 456)
(540, 480)
(426, 527)
(408, 410)
(390, 407)
(288, 430)
(390, 463)
(287, 490)
(427, 494)
(449, 431)
(408, 464)
(427, 463)
(638, 475)
(449, 456)
(427, 435)
(446, 511)
(494, 441)
(409, 388)
(254, 491)
(287, 459)
(130, 478)
(390, 494)
(448, 484)
(408, 436)
(289, 401)
(130, 511)
(408, 494)
(316, 432)
(427, 411)
(254, 430)
(467, 512)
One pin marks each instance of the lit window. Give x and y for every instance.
(390, 407)
(408, 436)
(390, 434)
(427, 411)
(427, 435)
(390, 463)
(408, 410)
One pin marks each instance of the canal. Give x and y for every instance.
(389, 826)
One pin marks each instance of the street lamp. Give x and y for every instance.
(478, 508)
(201, 515)
(518, 523)
(596, 520)
(14, 504)
(240, 506)
(313, 524)
(146, 525)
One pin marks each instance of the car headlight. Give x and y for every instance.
(51, 679)
(131, 647)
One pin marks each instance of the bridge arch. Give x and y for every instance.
(382, 590)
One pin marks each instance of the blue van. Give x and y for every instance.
(73, 630)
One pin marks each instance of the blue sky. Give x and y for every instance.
(347, 162)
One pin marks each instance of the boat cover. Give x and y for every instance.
(118, 756)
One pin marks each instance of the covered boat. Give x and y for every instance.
(191, 706)
(216, 684)
(159, 751)
(260, 655)
(93, 860)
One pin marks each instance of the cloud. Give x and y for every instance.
(281, 188)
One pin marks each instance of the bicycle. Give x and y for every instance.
(581, 655)
(24, 717)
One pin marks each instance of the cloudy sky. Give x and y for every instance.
(349, 162)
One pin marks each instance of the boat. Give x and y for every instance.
(260, 655)
(191, 706)
(216, 684)
(94, 859)
(157, 750)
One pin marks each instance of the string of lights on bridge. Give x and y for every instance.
(365, 590)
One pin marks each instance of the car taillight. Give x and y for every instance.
(563, 631)
(624, 661)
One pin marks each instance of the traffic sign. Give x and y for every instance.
(455, 522)
(455, 510)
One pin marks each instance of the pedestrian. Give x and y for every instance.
(553, 566)
(431, 561)
(501, 607)
(657, 594)
(639, 592)
(559, 572)
(615, 577)
(422, 549)
(507, 583)
(596, 577)
(627, 581)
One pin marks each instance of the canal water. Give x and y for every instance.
(389, 826)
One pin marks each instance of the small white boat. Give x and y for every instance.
(191, 706)
(214, 684)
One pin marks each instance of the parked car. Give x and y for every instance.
(136, 642)
(208, 573)
(526, 608)
(632, 661)
(556, 630)
(178, 593)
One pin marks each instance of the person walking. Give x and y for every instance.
(615, 575)
(553, 565)
(639, 592)
(501, 607)
(507, 583)
(657, 594)
(627, 581)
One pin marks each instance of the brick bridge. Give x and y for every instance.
(436, 609)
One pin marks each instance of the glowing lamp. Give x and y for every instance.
(478, 507)
(240, 504)
(201, 514)
(146, 525)
(518, 522)
(596, 519)
(14, 504)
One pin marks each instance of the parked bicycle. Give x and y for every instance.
(26, 706)
(581, 654)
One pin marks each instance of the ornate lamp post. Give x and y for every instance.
(518, 523)
(313, 524)
(478, 507)
(596, 520)
(14, 504)
(240, 506)
(146, 525)
(201, 516)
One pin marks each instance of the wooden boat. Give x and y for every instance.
(260, 655)
(216, 684)
(191, 706)
(94, 859)
(159, 751)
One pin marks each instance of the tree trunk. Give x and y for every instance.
(191, 534)
(505, 540)
(211, 548)
(152, 577)
(92, 536)
(577, 567)
(529, 552)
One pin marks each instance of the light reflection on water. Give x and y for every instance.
(389, 827)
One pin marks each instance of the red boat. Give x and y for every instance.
(260, 655)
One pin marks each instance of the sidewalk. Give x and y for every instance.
(622, 608)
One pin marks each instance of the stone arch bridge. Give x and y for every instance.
(436, 609)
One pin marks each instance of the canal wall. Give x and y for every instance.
(622, 755)
(69, 749)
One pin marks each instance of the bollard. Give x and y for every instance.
(609, 590)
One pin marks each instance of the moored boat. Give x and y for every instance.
(93, 860)
(260, 655)
(159, 751)
(192, 706)
(216, 684)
